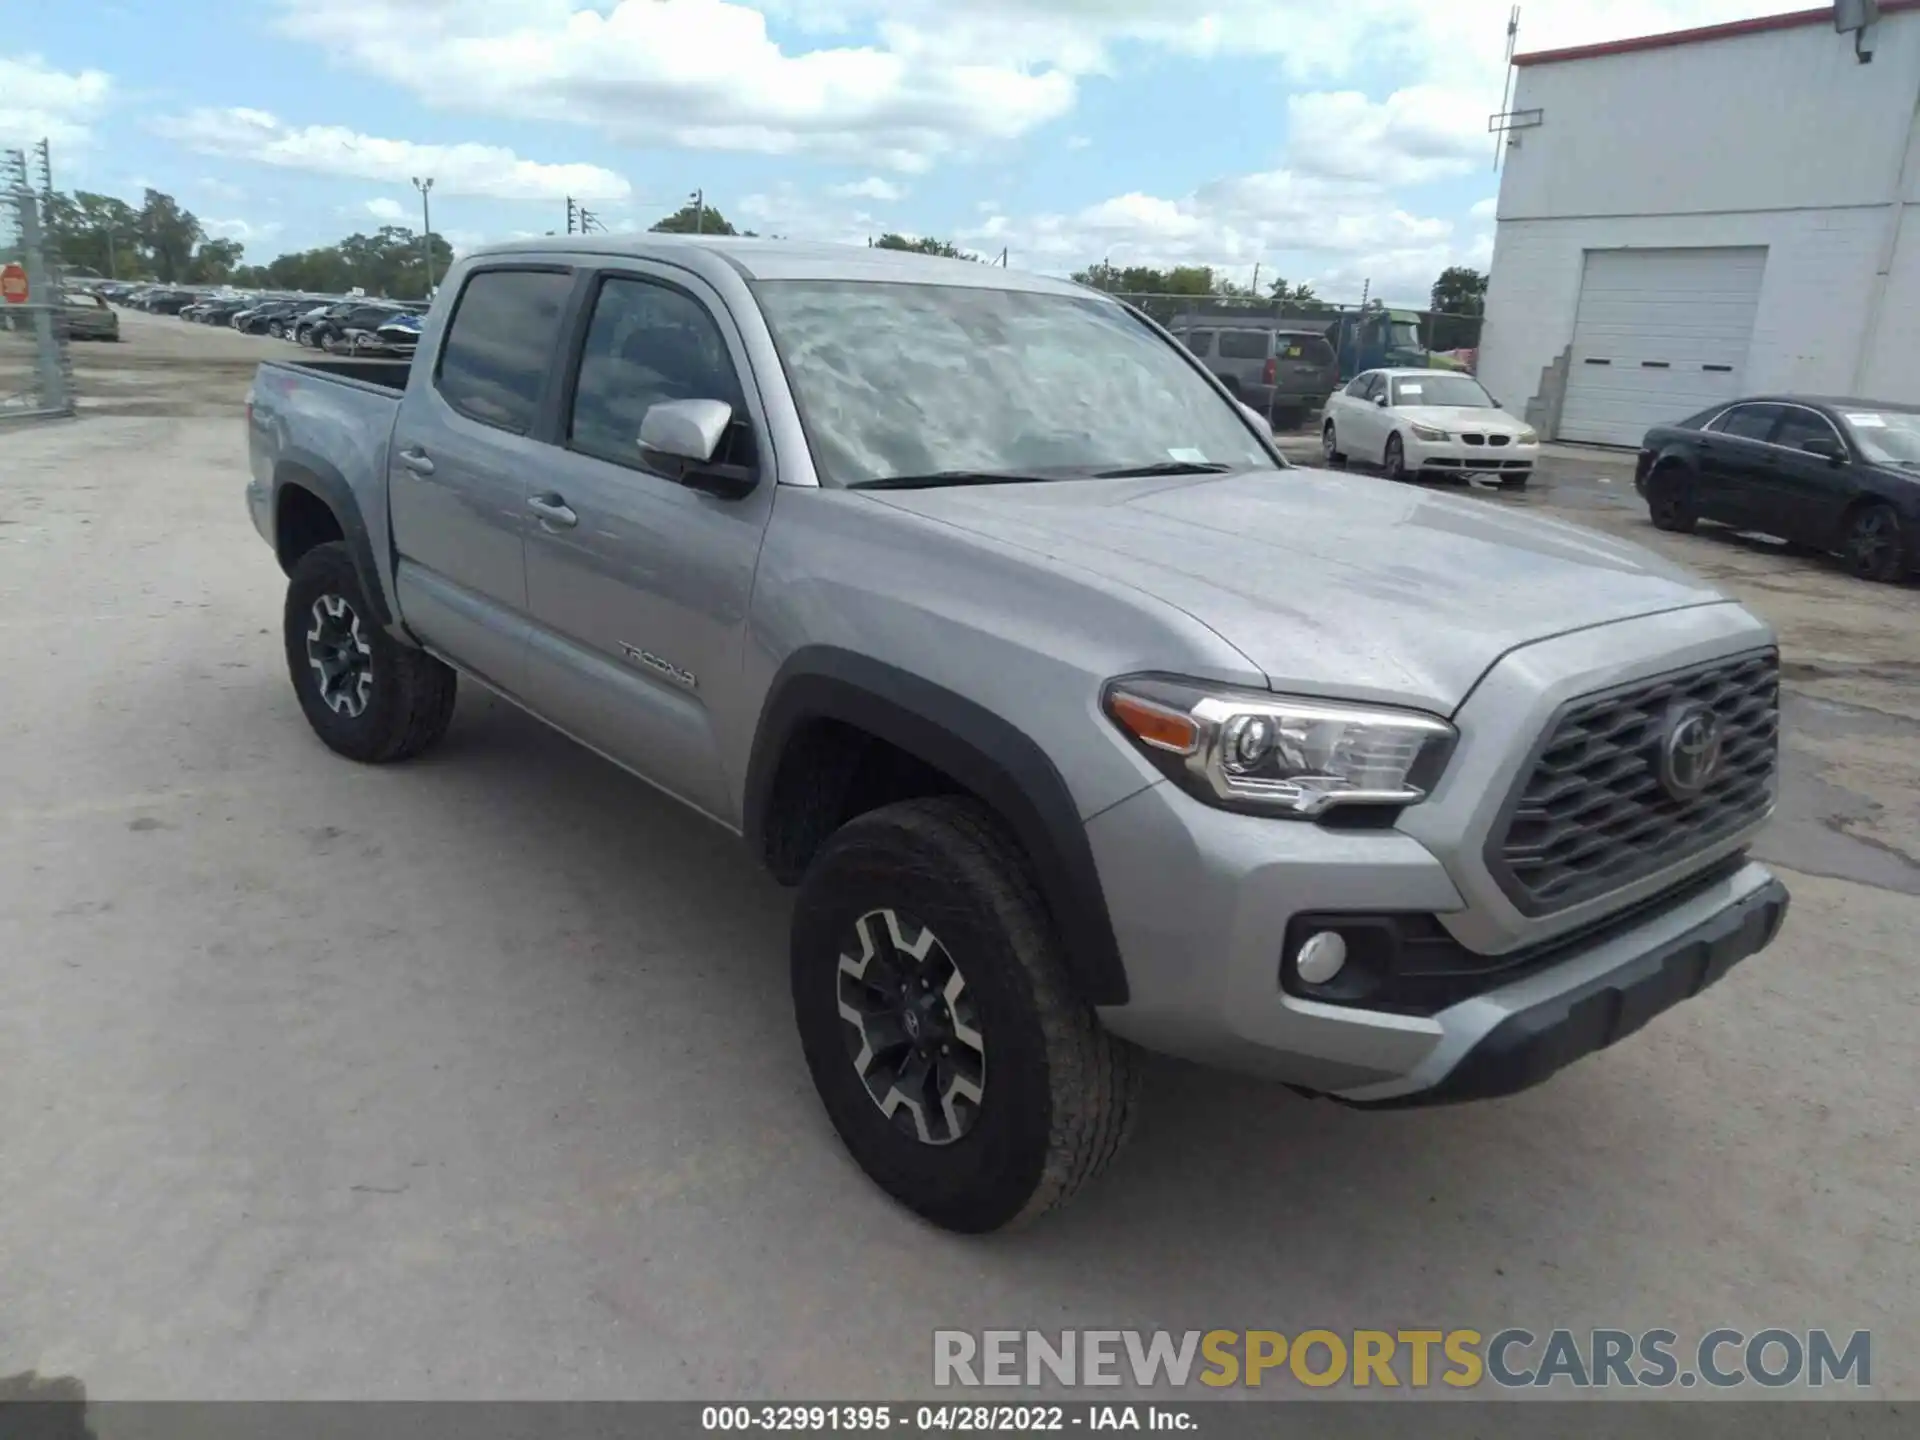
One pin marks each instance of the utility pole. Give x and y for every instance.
(1254, 289)
(570, 214)
(1003, 257)
(426, 222)
(699, 198)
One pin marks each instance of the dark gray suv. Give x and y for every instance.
(1284, 371)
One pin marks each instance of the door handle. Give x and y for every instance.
(417, 460)
(553, 511)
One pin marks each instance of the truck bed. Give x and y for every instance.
(388, 375)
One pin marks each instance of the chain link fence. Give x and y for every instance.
(1365, 337)
(36, 374)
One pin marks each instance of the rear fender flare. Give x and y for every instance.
(319, 475)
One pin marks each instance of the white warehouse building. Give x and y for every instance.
(1686, 218)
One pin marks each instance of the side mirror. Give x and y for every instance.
(1381, 399)
(1826, 447)
(688, 430)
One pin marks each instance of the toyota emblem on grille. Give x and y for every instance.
(1691, 752)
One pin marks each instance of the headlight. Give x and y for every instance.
(1247, 750)
(1527, 437)
(1427, 432)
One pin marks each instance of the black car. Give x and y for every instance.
(1834, 476)
(331, 329)
(169, 302)
(270, 317)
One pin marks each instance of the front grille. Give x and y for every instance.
(1499, 439)
(1474, 439)
(1592, 812)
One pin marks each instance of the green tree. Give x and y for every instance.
(1460, 291)
(690, 219)
(922, 245)
(96, 232)
(1459, 300)
(169, 233)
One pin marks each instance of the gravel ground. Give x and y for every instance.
(476, 1077)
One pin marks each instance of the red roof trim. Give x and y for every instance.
(1706, 32)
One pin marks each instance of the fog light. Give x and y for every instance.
(1322, 957)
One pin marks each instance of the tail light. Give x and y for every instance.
(1271, 373)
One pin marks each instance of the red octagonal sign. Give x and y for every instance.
(13, 284)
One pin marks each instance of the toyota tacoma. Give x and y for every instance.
(1082, 721)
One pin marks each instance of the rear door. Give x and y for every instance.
(1735, 455)
(639, 584)
(464, 458)
(1243, 360)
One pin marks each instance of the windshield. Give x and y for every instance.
(1456, 392)
(901, 380)
(1404, 335)
(1887, 437)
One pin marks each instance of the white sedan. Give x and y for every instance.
(1415, 423)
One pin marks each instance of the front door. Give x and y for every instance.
(461, 461)
(638, 585)
(1809, 490)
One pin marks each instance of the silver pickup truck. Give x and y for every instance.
(1081, 720)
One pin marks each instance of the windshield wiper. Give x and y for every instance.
(1164, 467)
(951, 477)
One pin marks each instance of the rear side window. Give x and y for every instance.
(1749, 422)
(1244, 344)
(1201, 342)
(500, 344)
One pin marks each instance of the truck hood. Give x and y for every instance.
(1341, 585)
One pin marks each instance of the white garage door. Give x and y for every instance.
(1659, 335)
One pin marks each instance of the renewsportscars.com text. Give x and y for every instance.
(1414, 1359)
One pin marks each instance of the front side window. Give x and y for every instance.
(1361, 385)
(897, 381)
(649, 343)
(500, 344)
(1201, 342)
(1799, 426)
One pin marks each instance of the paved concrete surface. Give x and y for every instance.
(476, 1077)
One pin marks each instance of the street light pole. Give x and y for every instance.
(426, 222)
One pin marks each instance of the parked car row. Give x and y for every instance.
(347, 324)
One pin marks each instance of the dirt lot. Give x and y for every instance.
(477, 1076)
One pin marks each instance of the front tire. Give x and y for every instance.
(367, 696)
(1876, 544)
(946, 1042)
(1394, 461)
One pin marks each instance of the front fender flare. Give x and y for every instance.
(983, 752)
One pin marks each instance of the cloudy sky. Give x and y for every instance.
(1334, 141)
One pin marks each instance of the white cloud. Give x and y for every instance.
(39, 103)
(485, 170)
(1414, 135)
(902, 84)
(243, 231)
(1079, 142)
(218, 189)
(703, 74)
(389, 211)
(1485, 209)
(871, 188)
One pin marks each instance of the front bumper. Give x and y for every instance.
(1529, 1045)
(1457, 457)
(1201, 902)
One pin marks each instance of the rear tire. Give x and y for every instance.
(1876, 544)
(1671, 502)
(1005, 1095)
(367, 696)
